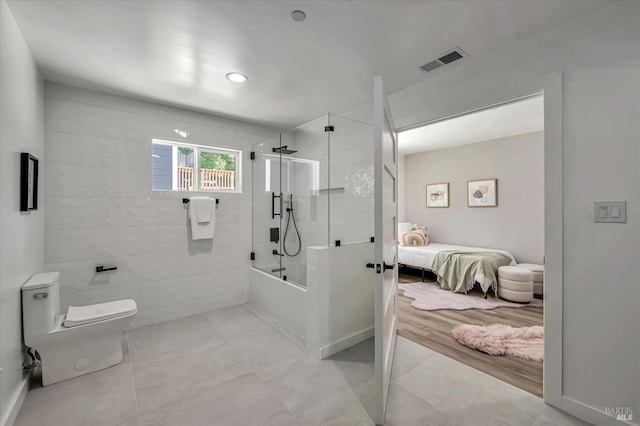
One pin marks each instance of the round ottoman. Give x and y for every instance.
(515, 284)
(538, 276)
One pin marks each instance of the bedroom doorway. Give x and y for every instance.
(472, 239)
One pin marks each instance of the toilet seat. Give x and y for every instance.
(81, 315)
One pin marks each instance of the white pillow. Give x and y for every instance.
(403, 228)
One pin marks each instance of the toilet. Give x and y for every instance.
(84, 340)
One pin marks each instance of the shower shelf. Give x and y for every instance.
(336, 189)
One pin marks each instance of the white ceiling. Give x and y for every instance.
(177, 52)
(511, 119)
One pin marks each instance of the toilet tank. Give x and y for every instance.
(40, 304)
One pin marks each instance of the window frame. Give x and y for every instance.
(197, 149)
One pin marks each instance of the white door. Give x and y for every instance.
(386, 244)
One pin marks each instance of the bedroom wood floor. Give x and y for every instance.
(433, 330)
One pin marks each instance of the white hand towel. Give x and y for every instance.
(202, 208)
(204, 230)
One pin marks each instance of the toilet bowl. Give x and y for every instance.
(84, 340)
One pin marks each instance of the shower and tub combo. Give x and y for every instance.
(312, 197)
(283, 150)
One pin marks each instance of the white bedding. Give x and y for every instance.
(422, 256)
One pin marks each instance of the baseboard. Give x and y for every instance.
(347, 342)
(15, 404)
(591, 414)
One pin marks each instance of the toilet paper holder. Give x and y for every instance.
(102, 268)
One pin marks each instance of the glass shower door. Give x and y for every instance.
(267, 206)
(351, 179)
(304, 176)
(290, 193)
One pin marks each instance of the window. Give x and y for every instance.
(178, 166)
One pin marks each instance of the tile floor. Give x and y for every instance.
(229, 367)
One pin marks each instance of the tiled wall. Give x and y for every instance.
(100, 208)
(339, 298)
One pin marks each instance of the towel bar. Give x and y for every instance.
(186, 201)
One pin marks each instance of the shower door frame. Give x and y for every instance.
(273, 268)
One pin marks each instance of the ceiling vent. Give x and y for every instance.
(446, 58)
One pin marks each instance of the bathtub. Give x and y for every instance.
(334, 308)
(295, 272)
(279, 300)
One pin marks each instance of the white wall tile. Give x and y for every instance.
(89, 120)
(144, 318)
(256, 131)
(90, 97)
(101, 208)
(64, 149)
(74, 276)
(196, 307)
(198, 134)
(243, 284)
(181, 290)
(200, 118)
(72, 181)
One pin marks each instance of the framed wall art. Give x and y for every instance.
(28, 182)
(438, 194)
(482, 193)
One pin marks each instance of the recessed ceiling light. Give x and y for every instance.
(298, 15)
(237, 77)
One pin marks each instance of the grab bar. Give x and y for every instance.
(278, 269)
(273, 205)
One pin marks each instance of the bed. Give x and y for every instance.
(422, 257)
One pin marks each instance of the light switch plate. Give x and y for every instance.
(603, 212)
(608, 206)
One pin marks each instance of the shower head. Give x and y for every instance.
(283, 150)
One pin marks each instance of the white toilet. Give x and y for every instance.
(86, 339)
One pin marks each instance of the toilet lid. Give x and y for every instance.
(80, 315)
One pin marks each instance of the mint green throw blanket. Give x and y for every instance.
(458, 271)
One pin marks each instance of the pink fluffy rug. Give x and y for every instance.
(499, 339)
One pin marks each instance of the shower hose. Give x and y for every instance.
(291, 218)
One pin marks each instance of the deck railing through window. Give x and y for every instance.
(209, 179)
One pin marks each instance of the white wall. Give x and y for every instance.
(22, 242)
(101, 209)
(601, 105)
(516, 225)
(402, 188)
(340, 298)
